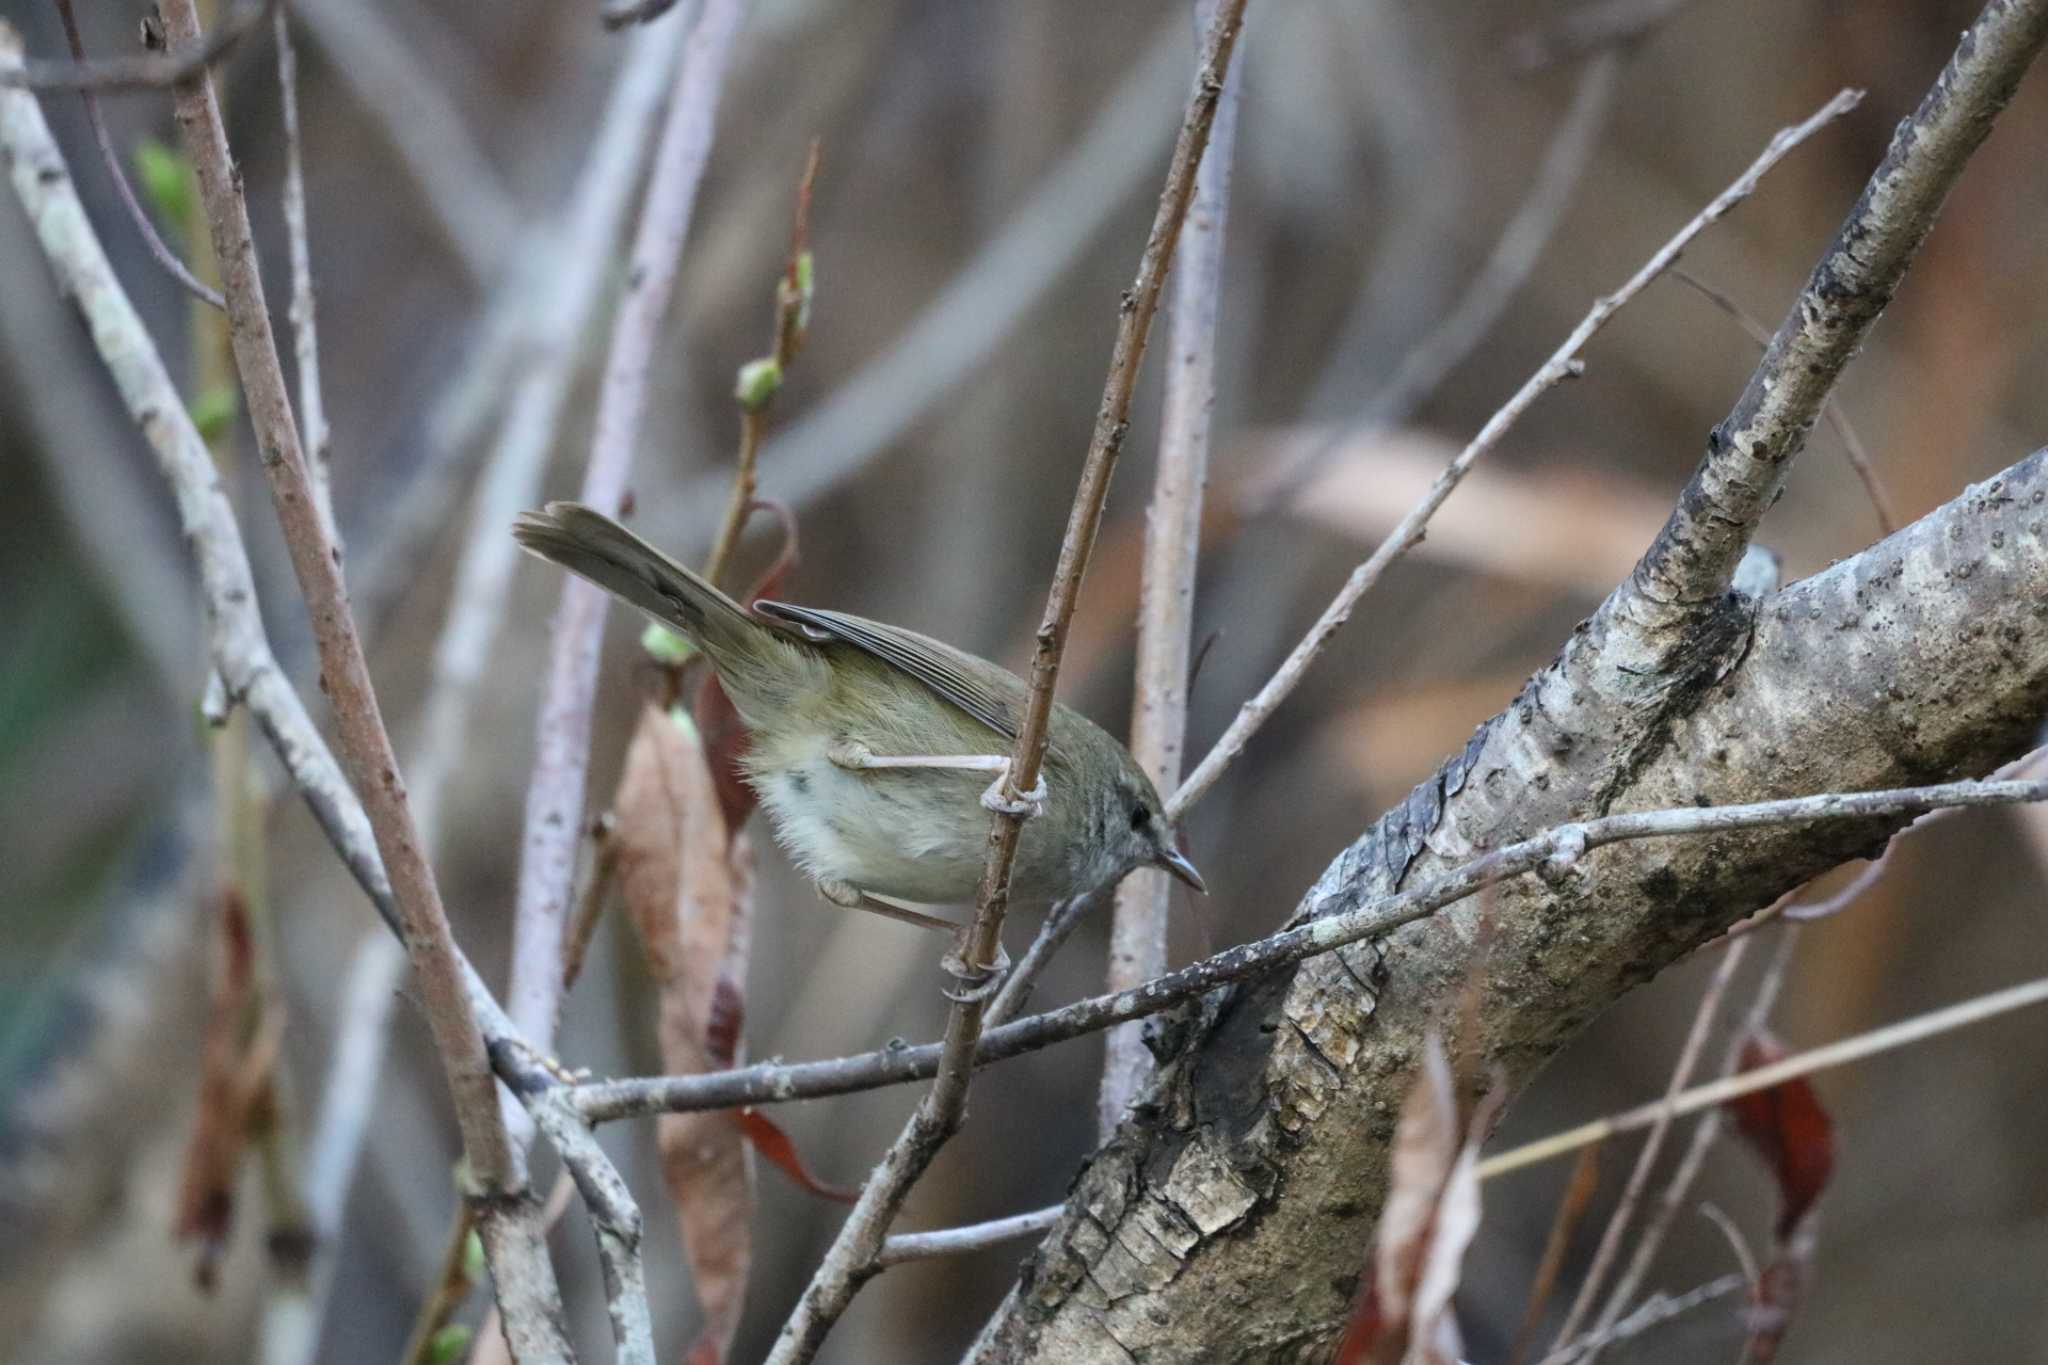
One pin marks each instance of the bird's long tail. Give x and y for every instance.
(589, 543)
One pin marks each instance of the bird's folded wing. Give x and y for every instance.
(953, 674)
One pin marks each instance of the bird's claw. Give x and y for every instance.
(1024, 805)
(977, 984)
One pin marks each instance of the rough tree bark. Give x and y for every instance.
(1228, 1217)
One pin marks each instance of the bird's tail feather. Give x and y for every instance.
(589, 543)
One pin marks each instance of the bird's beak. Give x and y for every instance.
(1176, 865)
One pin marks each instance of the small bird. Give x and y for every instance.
(870, 744)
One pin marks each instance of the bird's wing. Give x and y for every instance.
(956, 676)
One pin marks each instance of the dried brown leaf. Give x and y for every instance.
(687, 886)
(1404, 1310)
(237, 1057)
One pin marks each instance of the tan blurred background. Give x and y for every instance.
(1382, 148)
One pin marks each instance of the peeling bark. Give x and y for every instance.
(1229, 1217)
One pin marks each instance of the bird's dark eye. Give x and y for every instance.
(1140, 817)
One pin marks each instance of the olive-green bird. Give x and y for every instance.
(871, 745)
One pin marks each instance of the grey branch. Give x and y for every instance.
(1166, 604)
(1555, 855)
(920, 1246)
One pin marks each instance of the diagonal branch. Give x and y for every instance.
(1750, 453)
(1564, 362)
(851, 1259)
(151, 72)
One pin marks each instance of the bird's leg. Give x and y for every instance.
(851, 897)
(851, 753)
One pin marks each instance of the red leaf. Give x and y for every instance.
(1789, 1130)
(775, 1145)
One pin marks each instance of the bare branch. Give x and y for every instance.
(613, 1216)
(313, 428)
(1655, 1310)
(1646, 1160)
(366, 747)
(151, 72)
(1891, 1037)
(554, 803)
(1426, 364)
(1554, 853)
(1166, 606)
(1750, 453)
(920, 1246)
(1853, 448)
(1563, 363)
(111, 159)
(954, 335)
(850, 1260)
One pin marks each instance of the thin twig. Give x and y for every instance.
(1657, 1309)
(850, 1260)
(956, 333)
(1646, 1160)
(578, 243)
(1853, 448)
(961, 1241)
(1059, 924)
(1166, 603)
(151, 72)
(1891, 1037)
(760, 380)
(1552, 852)
(313, 428)
(137, 215)
(365, 745)
(614, 1217)
(1425, 365)
(1563, 363)
(554, 802)
(1704, 1133)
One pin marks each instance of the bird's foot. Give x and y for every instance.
(1024, 805)
(976, 984)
